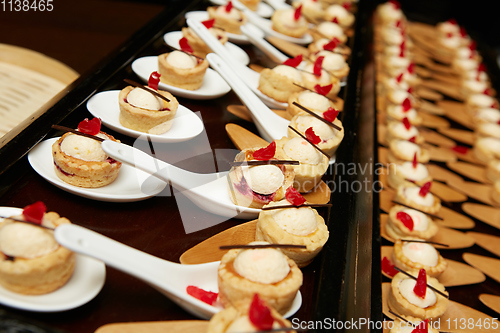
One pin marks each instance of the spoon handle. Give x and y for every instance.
(256, 37)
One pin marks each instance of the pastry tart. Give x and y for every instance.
(339, 14)
(256, 186)
(399, 226)
(31, 260)
(329, 45)
(144, 112)
(399, 112)
(182, 70)
(493, 170)
(330, 31)
(330, 138)
(403, 130)
(233, 320)
(228, 18)
(80, 161)
(310, 100)
(311, 9)
(419, 198)
(389, 12)
(402, 150)
(414, 256)
(323, 78)
(280, 82)
(480, 101)
(486, 149)
(200, 48)
(266, 271)
(289, 22)
(334, 63)
(486, 115)
(295, 225)
(313, 164)
(401, 173)
(403, 300)
(485, 130)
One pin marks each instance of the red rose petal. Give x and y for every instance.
(395, 3)
(335, 20)
(203, 295)
(34, 212)
(481, 67)
(449, 35)
(460, 149)
(421, 285)
(473, 45)
(487, 91)
(425, 189)
(294, 197)
(331, 114)
(402, 53)
(406, 219)
(330, 46)
(413, 139)
(323, 90)
(229, 6)
(415, 162)
(311, 136)
(318, 64)
(399, 24)
(91, 127)
(388, 267)
(297, 13)
(463, 32)
(422, 327)
(183, 43)
(293, 62)
(260, 314)
(411, 68)
(399, 78)
(407, 124)
(406, 105)
(208, 23)
(452, 21)
(154, 80)
(410, 90)
(346, 5)
(265, 154)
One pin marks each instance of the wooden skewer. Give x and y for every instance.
(151, 91)
(315, 115)
(428, 285)
(261, 246)
(423, 241)
(67, 129)
(176, 49)
(303, 137)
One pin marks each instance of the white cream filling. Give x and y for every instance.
(265, 265)
(475, 86)
(420, 220)
(233, 14)
(489, 129)
(300, 150)
(412, 193)
(181, 60)
(421, 253)
(397, 112)
(406, 289)
(21, 240)
(481, 100)
(289, 72)
(313, 101)
(264, 179)
(330, 29)
(400, 130)
(83, 148)
(324, 131)
(411, 173)
(323, 79)
(142, 99)
(488, 115)
(407, 148)
(332, 61)
(296, 221)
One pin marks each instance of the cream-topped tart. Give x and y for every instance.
(228, 18)
(200, 48)
(266, 271)
(339, 14)
(488, 130)
(310, 100)
(410, 255)
(486, 115)
(390, 12)
(406, 222)
(330, 31)
(295, 225)
(280, 82)
(80, 160)
(419, 197)
(314, 74)
(334, 63)
(332, 45)
(402, 150)
(401, 173)
(480, 101)
(142, 111)
(256, 186)
(313, 164)
(180, 69)
(487, 149)
(259, 317)
(31, 260)
(405, 299)
(312, 10)
(403, 130)
(405, 110)
(289, 22)
(328, 138)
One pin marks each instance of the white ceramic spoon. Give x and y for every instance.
(263, 9)
(278, 4)
(207, 191)
(256, 37)
(247, 75)
(168, 277)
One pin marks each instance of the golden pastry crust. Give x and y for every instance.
(392, 134)
(228, 24)
(415, 121)
(307, 176)
(277, 86)
(317, 35)
(253, 5)
(39, 275)
(396, 156)
(77, 172)
(292, 109)
(406, 264)
(147, 121)
(400, 305)
(278, 24)
(329, 146)
(200, 48)
(339, 73)
(397, 230)
(237, 291)
(401, 197)
(268, 230)
(242, 195)
(185, 78)
(396, 178)
(220, 322)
